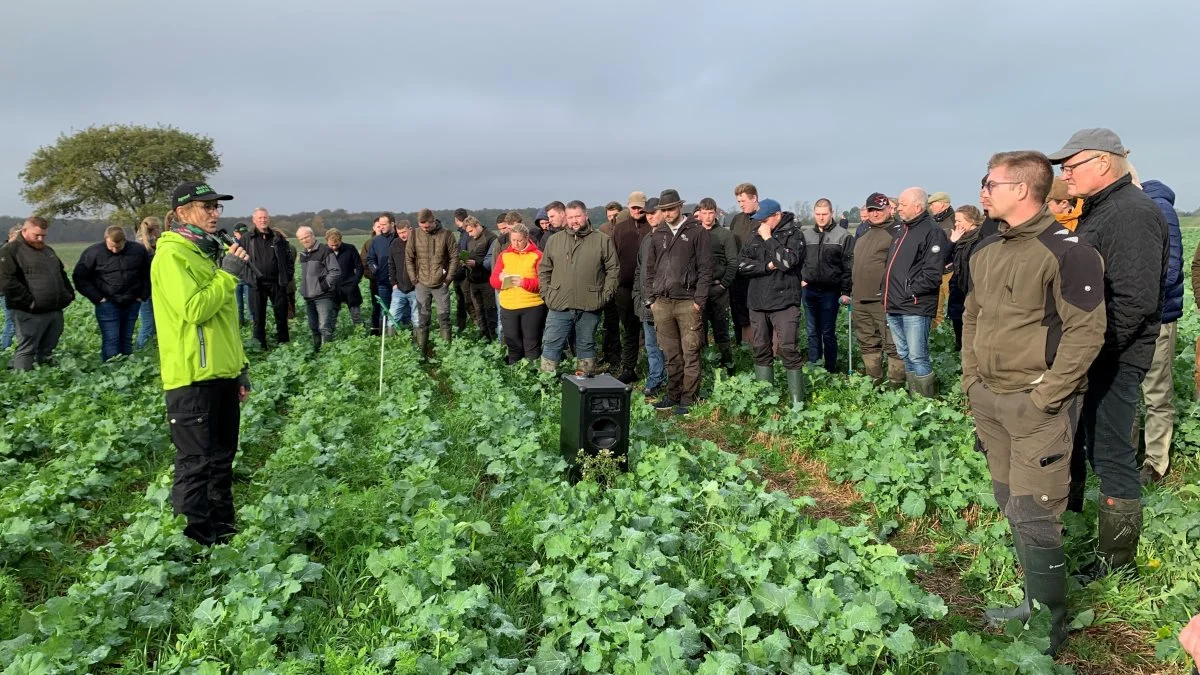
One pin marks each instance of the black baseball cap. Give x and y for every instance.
(877, 201)
(241, 227)
(196, 191)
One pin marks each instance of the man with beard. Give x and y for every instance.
(577, 276)
(678, 277)
(770, 260)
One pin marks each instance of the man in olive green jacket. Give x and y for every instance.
(578, 277)
(1033, 323)
(204, 368)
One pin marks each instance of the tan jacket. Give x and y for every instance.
(431, 257)
(1034, 318)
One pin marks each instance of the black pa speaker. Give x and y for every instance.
(595, 417)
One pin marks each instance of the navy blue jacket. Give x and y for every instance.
(1165, 198)
(377, 259)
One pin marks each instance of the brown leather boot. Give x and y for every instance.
(895, 373)
(873, 367)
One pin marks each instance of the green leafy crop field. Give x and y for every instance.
(431, 529)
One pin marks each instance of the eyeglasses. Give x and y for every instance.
(635, 208)
(209, 206)
(1070, 168)
(991, 184)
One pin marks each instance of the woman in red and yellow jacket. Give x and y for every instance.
(522, 311)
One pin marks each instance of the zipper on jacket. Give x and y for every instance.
(203, 349)
(887, 278)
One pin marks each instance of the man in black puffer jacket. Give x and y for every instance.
(770, 259)
(911, 286)
(1128, 230)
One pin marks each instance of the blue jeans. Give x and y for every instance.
(820, 317)
(911, 335)
(243, 299)
(116, 328)
(10, 328)
(576, 322)
(384, 291)
(147, 330)
(404, 308)
(654, 357)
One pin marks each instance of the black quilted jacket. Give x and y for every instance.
(1128, 230)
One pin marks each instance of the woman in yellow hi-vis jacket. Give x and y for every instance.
(204, 368)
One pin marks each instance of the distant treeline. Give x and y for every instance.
(64, 230)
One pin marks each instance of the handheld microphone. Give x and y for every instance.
(223, 235)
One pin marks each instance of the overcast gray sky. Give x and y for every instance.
(396, 104)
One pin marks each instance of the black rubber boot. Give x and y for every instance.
(726, 352)
(1046, 582)
(1119, 531)
(795, 382)
(996, 617)
(764, 373)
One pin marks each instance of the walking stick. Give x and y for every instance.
(385, 314)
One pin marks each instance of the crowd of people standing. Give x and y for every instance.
(1063, 293)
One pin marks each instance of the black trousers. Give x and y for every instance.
(716, 314)
(737, 304)
(630, 328)
(782, 324)
(610, 349)
(523, 332)
(204, 418)
(1109, 407)
(462, 305)
(277, 296)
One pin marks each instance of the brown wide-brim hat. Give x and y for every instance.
(669, 199)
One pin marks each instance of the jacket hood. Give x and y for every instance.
(540, 215)
(788, 220)
(1157, 190)
(531, 248)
